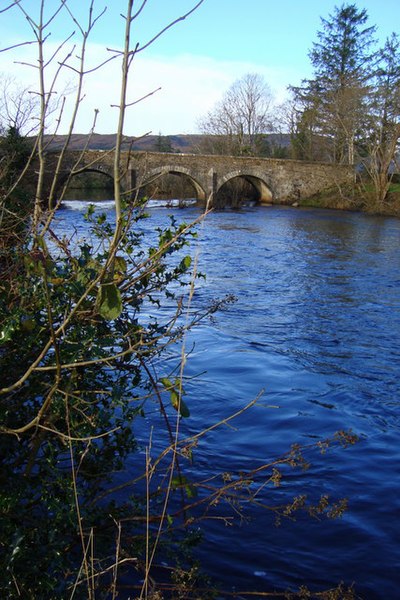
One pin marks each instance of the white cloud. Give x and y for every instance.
(190, 86)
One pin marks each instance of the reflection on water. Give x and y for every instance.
(317, 326)
(89, 194)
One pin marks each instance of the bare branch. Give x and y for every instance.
(17, 46)
(139, 100)
(139, 10)
(88, 71)
(9, 6)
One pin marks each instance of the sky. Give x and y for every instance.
(194, 62)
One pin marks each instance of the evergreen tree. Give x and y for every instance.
(15, 200)
(343, 63)
(163, 144)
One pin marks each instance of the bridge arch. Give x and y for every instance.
(153, 174)
(106, 168)
(257, 180)
(106, 173)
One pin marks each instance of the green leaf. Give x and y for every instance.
(182, 481)
(120, 265)
(167, 383)
(191, 491)
(184, 410)
(179, 404)
(185, 263)
(88, 271)
(178, 481)
(108, 302)
(174, 396)
(6, 332)
(90, 211)
(28, 323)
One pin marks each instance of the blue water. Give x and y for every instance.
(316, 326)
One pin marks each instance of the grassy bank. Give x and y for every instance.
(357, 198)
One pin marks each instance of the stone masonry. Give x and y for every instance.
(276, 180)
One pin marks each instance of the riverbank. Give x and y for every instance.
(355, 199)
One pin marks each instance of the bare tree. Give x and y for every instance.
(296, 117)
(383, 130)
(237, 123)
(18, 107)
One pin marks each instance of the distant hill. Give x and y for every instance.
(185, 143)
(149, 143)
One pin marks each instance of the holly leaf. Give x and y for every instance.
(108, 302)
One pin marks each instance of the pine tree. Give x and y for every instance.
(343, 65)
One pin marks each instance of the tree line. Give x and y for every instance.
(347, 113)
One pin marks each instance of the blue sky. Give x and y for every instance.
(195, 61)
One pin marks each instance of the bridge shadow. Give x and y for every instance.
(172, 185)
(91, 184)
(239, 191)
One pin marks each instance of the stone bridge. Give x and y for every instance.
(276, 180)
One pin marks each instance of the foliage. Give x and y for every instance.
(78, 355)
(72, 390)
(15, 202)
(78, 333)
(163, 144)
(349, 111)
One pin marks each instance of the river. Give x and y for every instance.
(316, 326)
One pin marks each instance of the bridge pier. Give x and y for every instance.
(212, 186)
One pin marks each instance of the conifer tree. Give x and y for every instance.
(343, 64)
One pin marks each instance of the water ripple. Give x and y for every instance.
(317, 326)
